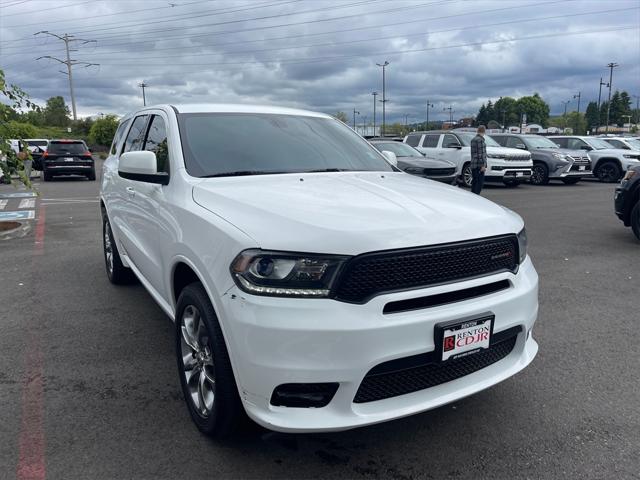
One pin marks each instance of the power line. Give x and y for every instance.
(364, 40)
(6, 5)
(46, 9)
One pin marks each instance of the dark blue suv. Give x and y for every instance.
(627, 200)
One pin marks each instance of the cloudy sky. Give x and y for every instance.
(322, 54)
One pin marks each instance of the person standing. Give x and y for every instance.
(478, 160)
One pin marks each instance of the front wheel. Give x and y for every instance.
(466, 176)
(635, 220)
(204, 366)
(117, 273)
(539, 174)
(608, 172)
(570, 181)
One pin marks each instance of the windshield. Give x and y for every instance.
(634, 143)
(539, 142)
(597, 143)
(66, 147)
(466, 137)
(227, 144)
(400, 149)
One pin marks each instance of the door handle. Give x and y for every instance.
(131, 191)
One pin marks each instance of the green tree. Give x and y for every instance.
(34, 117)
(535, 107)
(20, 130)
(625, 108)
(506, 109)
(481, 118)
(82, 126)
(11, 163)
(56, 112)
(592, 115)
(491, 113)
(103, 130)
(577, 123)
(342, 117)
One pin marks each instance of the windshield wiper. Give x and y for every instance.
(320, 170)
(239, 173)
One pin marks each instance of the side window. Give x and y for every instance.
(450, 140)
(413, 140)
(136, 134)
(512, 142)
(430, 141)
(118, 136)
(156, 142)
(617, 144)
(576, 144)
(502, 141)
(560, 141)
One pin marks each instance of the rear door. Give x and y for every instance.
(451, 150)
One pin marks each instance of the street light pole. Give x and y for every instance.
(450, 108)
(611, 66)
(355, 112)
(384, 95)
(578, 117)
(504, 120)
(564, 115)
(426, 127)
(375, 94)
(144, 98)
(637, 113)
(600, 95)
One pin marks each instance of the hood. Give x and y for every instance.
(351, 213)
(508, 153)
(575, 154)
(616, 152)
(424, 162)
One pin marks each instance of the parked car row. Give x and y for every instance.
(58, 157)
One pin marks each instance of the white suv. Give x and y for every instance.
(508, 165)
(313, 285)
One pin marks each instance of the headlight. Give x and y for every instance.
(633, 157)
(522, 244)
(630, 174)
(285, 274)
(496, 155)
(560, 156)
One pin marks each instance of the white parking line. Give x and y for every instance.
(27, 203)
(3, 203)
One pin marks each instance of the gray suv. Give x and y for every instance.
(550, 162)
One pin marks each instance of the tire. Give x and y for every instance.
(212, 398)
(539, 174)
(117, 273)
(608, 172)
(465, 176)
(635, 220)
(92, 175)
(570, 181)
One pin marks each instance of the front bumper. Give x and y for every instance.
(508, 173)
(619, 201)
(275, 341)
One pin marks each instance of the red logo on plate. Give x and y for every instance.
(449, 343)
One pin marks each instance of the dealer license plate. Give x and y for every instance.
(68, 159)
(582, 168)
(519, 174)
(462, 338)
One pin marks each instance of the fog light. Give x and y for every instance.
(303, 395)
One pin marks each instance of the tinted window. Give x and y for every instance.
(563, 142)
(62, 148)
(501, 140)
(157, 142)
(37, 143)
(217, 144)
(413, 140)
(135, 136)
(514, 142)
(466, 137)
(450, 140)
(576, 144)
(118, 136)
(617, 144)
(430, 141)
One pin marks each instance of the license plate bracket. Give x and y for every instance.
(463, 337)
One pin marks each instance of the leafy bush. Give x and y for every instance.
(20, 130)
(103, 130)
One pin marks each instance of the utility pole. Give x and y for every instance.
(578, 117)
(364, 125)
(611, 66)
(354, 117)
(66, 38)
(375, 94)
(450, 109)
(504, 114)
(384, 96)
(637, 112)
(599, 95)
(144, 98)
(426, 127)
(564, 115)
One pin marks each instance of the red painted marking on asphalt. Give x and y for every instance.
(31, 443)
(38, 248)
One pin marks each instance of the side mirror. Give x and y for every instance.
(141, 166)
(586, 147)
(391, 157)
(453, 145)
(521, 146)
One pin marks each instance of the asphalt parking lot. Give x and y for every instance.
(88, 384)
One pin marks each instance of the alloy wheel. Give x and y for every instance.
(537, 175)
(608, 173)
(467, 177)
(197, 360)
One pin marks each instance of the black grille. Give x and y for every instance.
(400, 382)
(374, 273)
(439, 171)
